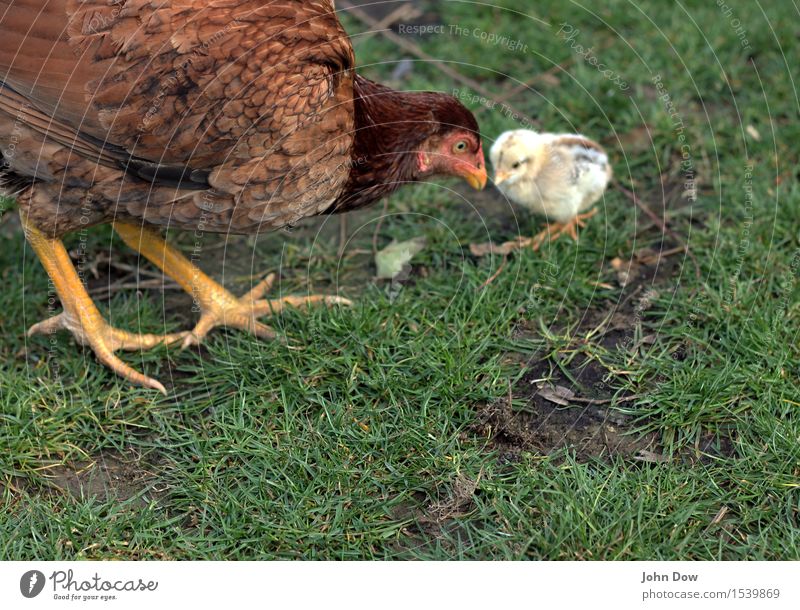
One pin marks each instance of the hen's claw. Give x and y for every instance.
(104, 340)
(92, 331)
(218, 306)
(221, 308)
(80, 315)
(116, 339)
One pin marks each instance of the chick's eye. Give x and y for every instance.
(516, 165)
(460, 147)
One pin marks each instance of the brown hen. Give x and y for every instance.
(229, 116)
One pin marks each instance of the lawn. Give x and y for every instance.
(613, 398)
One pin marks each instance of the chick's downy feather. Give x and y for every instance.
(553, 175)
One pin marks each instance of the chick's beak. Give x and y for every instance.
(501, 177)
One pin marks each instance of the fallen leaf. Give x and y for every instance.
(753, 133)
(556, 394)
(394, 258)
(643, 455)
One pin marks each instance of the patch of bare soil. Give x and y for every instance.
(549, 411)
(546, 417)
(108, 477)
(437, 522)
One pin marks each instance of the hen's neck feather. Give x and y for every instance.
(390, 127)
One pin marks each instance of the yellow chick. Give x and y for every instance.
(557, 176)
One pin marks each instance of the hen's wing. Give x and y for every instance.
(241, 91)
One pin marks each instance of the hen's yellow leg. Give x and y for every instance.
(80, 315)
(219, 307)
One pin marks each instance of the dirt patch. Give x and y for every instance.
(437, 522)
(109, 477)
(550, 416)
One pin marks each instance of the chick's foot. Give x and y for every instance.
(557, 229)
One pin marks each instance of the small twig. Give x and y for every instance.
(134, 269)
(717, 518)
(648, 260)
(665, 230)
(496, 273)
(104, 291)
(603, 401)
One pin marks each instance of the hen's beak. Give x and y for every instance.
(475, 176)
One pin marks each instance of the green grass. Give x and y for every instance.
(361, 439)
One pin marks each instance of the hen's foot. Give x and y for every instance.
(91, 330)
(221, 308)
(557, 229)
(81, 317)
(217, 305)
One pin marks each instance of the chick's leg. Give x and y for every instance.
(80, 315)
(555, 230)
(218, 306)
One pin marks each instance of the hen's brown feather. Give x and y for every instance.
(389, 125)
(229, 115)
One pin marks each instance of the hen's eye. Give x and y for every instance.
(460, 147)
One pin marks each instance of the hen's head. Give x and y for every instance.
(453, 145)
(408, 136)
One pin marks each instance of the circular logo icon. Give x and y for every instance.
(31, 583)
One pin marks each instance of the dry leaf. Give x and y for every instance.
(556, 394)
(394, 258)
(643, 455)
